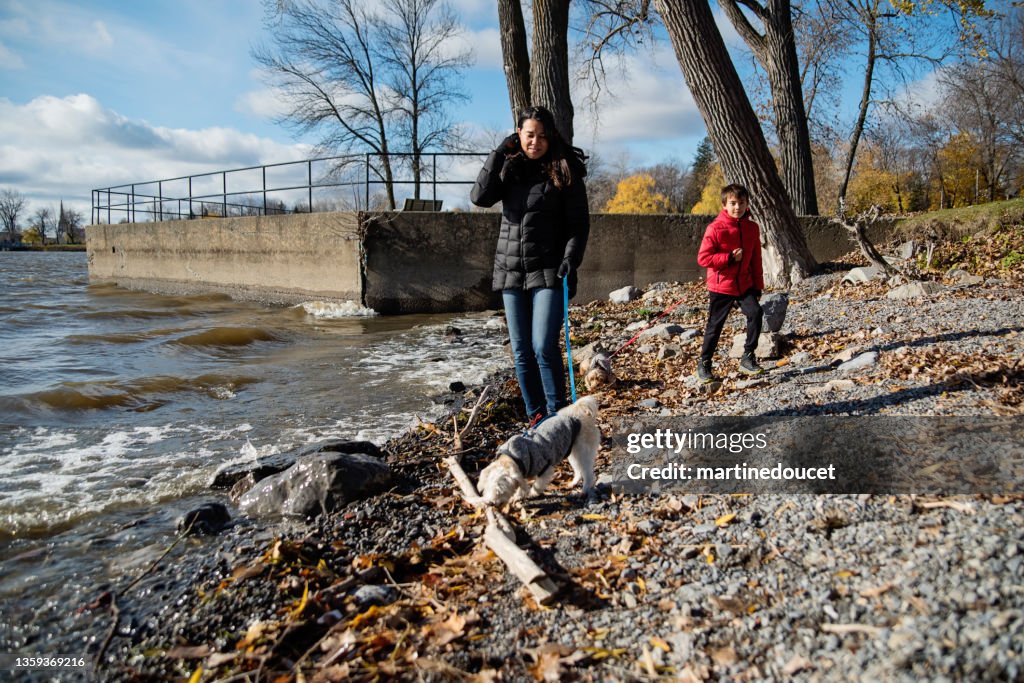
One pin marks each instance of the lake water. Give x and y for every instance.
(117, 407)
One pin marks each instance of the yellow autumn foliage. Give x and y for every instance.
(636, 194)
(711, 198)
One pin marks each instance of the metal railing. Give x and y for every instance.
(308, 185)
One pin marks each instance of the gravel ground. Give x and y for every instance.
(654, 587)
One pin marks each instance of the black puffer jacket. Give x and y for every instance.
(540, 224)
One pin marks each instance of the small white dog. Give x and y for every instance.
(572, 433)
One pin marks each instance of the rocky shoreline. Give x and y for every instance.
(681, 587)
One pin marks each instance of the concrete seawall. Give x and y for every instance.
(402, 262)
(276, 259)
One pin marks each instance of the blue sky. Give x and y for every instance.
(97, 93)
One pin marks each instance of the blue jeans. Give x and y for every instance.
(534, 320)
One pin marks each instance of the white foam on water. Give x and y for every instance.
(332, 309)
(427, 357)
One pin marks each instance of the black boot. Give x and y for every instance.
(704, 371)
(749, 366)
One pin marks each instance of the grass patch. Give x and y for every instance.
(966, 221)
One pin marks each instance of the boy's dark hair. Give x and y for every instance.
(735, 190)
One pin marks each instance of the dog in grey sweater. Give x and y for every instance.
(571, 434)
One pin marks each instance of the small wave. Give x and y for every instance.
(140, 313)
(333, 309)
(140, 395)
(109, 338)
(227, 336)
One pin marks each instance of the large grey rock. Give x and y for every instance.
(907, 250)
(585, 353)
(960, 276)
(915, 290)
(663, 331)
(317, 484)
(864, 360)
(669, 351)
(775, 307)
(624, 295)
(272, 464)
(769, 345)
(863, 274)
(208, 518)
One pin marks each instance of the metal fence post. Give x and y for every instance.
(160, 195)
(366, 185)
(264, 190)
(224, 196)
(309, 182)
(131, 206)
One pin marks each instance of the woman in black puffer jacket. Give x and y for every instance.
(545, 222)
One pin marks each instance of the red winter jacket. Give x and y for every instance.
(723, 235)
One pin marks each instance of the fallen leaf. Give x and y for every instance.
(248, 571)
(875, 592)
(797, 664)
(729, 604)
(844, 629)
(724, 656)
(188, 652)
(725, 519)
(660, 644)
(593, 517)
(301, 606)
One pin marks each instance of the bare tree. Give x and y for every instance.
(736, 133)
(422, 72)
(896, 37)
(42, 221)
(978, 104)
(671, 179)
(774, 47)
(12, 203)
(364, 79)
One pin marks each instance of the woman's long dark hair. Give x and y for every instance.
(562, 162)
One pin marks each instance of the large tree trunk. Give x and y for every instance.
(736, 133)
(515, 56)
(549, 71)
(776, 51)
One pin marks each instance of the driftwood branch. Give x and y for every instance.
(500, 538)
(475, 413)
(857, 227)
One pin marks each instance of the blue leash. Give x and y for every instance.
(568, 346)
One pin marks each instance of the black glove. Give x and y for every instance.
(509, 145)
(564, 269)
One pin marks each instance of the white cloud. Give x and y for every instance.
(17, 28)
(10, 60)
(474, 9)
(265, 103)
(102, 35)
(647, 101)
(64, 147)
(486, 46)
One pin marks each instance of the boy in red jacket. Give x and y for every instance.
(731, 251)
